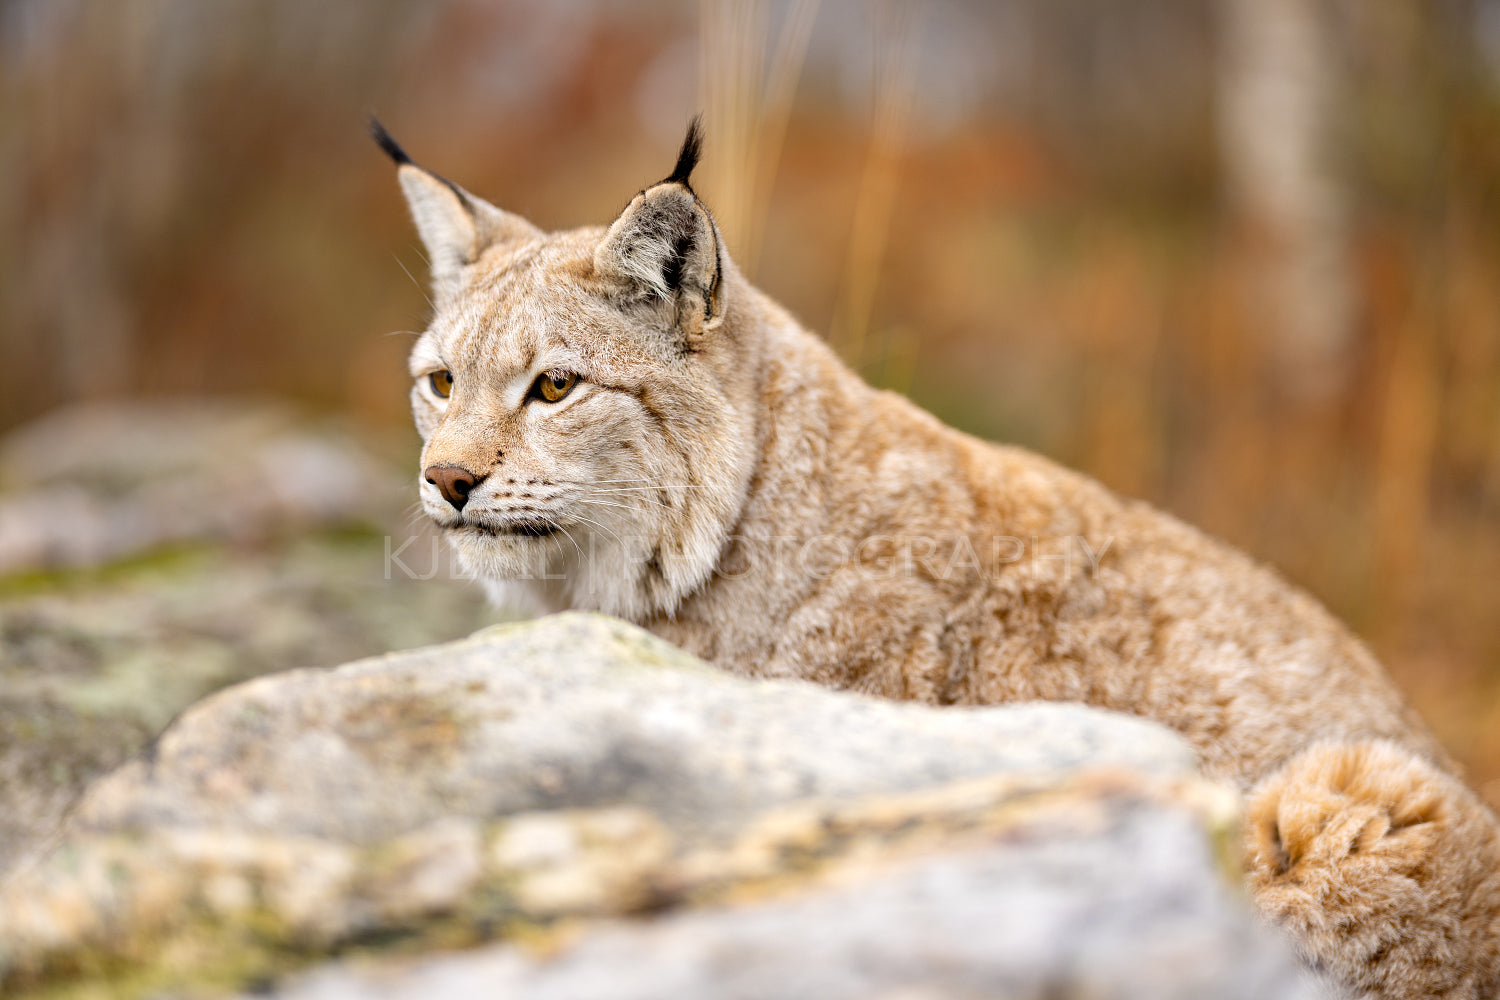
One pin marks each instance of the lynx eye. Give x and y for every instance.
(441, 382)
(552, 386)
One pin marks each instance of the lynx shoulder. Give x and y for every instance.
(614, 418)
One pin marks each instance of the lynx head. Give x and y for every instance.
(584, 397)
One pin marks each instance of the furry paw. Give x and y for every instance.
(1385, 870)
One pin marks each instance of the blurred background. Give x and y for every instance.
(1238, 257)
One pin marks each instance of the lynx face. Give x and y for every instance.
(579, 396)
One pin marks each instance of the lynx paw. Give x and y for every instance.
(1382, 867)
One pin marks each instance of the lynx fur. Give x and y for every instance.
(716, 474)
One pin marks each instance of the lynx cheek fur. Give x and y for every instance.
(615, 419)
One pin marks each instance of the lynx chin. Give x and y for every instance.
(615, 419)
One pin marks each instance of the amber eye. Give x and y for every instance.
(441, 382)
(552, 386)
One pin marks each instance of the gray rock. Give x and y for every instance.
(153, 552)
(542, 781)
(92, 667)
(573, 711)
(1133, 912)
(95, 483)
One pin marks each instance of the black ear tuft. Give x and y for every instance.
(391, 146)
(687, 158)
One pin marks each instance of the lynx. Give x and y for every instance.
(616, 419)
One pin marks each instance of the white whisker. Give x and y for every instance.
(651, 484)
(604, 503)
(648, 499)
(414, 281)
(632, 489)
(598, 525)
(414, 515)
(556, 524)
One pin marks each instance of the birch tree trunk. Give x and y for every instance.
(1278, 90)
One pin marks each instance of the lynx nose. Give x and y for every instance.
(453, 481)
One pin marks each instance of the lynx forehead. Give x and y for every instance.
(615, 419)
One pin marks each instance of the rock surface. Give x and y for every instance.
(538, 783)
(1127, 913)
(93, 667)
(153, 553)
(581, 712)
(91, 484)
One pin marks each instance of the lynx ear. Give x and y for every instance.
(665, 245)
(455, 226)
